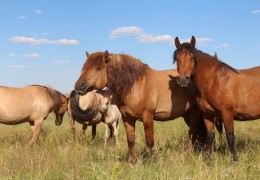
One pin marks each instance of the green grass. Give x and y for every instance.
(56, 156)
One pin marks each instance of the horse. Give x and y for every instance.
(141, 93)
(223, 91)
(91, 109)
(31, 104)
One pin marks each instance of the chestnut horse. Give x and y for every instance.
(223, 91)
(31, 104)
(141, 93)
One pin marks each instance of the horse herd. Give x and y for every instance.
(203, 90)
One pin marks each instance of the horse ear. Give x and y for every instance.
(87, 54)
(177, 43)
(106, 56)
(193, 41)
(216, 55)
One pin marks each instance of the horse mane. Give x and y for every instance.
(196, 52)
(54, 95)
(79, 114)
(122, 72)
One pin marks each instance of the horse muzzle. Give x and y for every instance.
(183, 81)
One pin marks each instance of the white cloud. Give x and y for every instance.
(224, 46)
(255, 11)
(142, 36)
(17, 67)
(198, 40)
(40, 41)
(21, 17)
(61, 62)
(139, 34)
(33, 55)
(23, 67)
(38, 11)
(10, 55)
(255, 46)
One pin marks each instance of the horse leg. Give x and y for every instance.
(209, 122)
(116, 128)
(83, 131)
(73, 128)
(130, 133)
(36, 130)
(229, 128)
(149, 132)
(94, 131)
(192, 118)
(219, 126)
(106, 133)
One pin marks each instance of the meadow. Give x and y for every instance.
(56, 156)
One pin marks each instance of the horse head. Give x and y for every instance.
(60, 110)
(94, 73)
(186, 61)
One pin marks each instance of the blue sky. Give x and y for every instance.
(44, 41)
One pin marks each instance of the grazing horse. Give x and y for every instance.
(141, 93)
(91, 109)
(223, 91)
(31, 104)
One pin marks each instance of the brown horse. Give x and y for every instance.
(222, 90)
(141, 93)
(31, 104)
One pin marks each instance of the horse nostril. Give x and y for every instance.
(82, 86)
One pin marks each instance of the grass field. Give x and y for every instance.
(56, 156)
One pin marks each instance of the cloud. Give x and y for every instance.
(139, 34)
(144, 37)
(21, 17)
(10, 55)
(23, 67)
(255, 46)
(33, 55)
(38, 11)
(255, 11)
(61, 62)
(17, 67)
(198, 40)
(40, 41)
(223, 46)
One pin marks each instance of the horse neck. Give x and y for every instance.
(206, 68)
(55, 98)
(122, 73)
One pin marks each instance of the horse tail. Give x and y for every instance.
(76, 112)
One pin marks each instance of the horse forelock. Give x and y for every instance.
(79, 114)
(122, 72)
(94, 60)
(184, 46)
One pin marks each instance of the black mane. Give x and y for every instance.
(79, 114)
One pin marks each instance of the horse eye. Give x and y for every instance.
(99, 68)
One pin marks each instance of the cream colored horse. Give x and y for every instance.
(90, 110)
(31, 104)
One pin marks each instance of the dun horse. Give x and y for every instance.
(90, 110)
(31, 104)
(141, 93)
(222, 90)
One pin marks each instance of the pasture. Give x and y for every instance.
(56, 156)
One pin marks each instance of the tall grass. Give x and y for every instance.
(56, 156)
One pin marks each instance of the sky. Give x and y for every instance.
(45, 41)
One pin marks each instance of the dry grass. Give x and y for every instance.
(56, 156)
